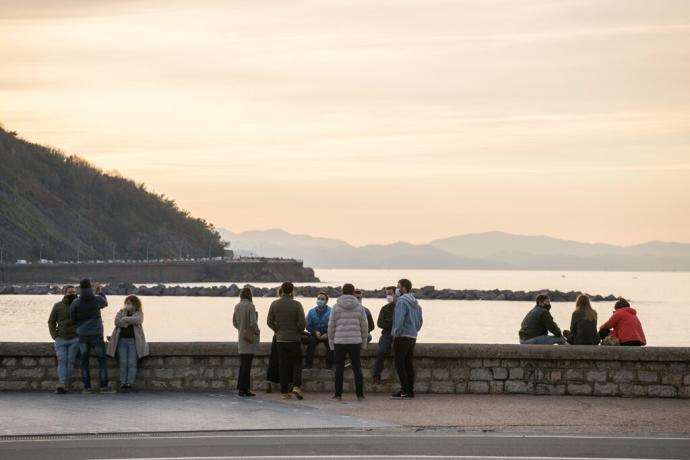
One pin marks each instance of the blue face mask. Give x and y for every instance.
(320, 303)
(397, 292)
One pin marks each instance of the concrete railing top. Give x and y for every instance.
(422, 350)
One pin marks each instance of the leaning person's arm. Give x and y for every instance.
(52, 323)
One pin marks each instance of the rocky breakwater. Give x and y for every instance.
(233, 290)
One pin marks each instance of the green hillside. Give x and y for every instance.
(56, 205)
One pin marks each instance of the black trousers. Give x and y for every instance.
(403, 349)
(312, 343)
(341, 350)
(245, 372)
(289, 365)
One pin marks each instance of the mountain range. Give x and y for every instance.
(480, 251)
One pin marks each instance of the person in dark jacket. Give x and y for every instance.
(64, 333)
(538, 323)
(86, 314)
(583, 324)
(385, 322)
(286, 319)
(371, 325)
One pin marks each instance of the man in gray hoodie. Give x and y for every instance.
(407, 321)
(348, 329)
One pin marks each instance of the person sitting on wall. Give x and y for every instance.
(538, 323)
(317, 328)
(624, 325)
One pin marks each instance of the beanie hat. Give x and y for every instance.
(622, 303)
(85, 283)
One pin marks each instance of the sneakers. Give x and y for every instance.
(246, 394)
(60, 390)
(126, 388)
(106, 390)
(297, 391)
(348, 363)
(337, 398)
(86, 391)
(401, 395)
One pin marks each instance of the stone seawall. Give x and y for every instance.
(441, 368)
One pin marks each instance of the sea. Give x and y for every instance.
(662, 301)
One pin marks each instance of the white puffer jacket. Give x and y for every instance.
(348, 322)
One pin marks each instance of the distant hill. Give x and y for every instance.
(54, 205)
(491, 250)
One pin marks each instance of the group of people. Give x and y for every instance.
(622, 328)
(344, 329)
(76, 325)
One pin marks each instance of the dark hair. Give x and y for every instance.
(136, 301)
(287, 288)
(66, 288)
(85, 283)
(389, 288)
(358, 292)
(323, 294)
(622, 303)
(407, 284)
(246, 293)
(348, 289)
(541, 298)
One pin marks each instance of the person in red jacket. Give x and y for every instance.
(624, 325)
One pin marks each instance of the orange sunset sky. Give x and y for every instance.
(371, 121)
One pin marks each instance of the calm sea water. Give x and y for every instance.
(662, 301)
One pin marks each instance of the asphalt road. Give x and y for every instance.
(373, 443)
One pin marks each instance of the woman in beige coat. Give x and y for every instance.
(128, 341)
(245, 321)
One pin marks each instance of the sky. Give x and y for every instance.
(371, 121)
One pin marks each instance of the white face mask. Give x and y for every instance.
(129, 307)
(390, 298)
(397, 292)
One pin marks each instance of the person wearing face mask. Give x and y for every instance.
(385, 322)
(128, 341)
(317, 327)
(64, 333)
(538, 323)
(407, 322)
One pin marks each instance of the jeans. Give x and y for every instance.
(385, 343)
(544, 340)
(289, 364)
(127, 354)
(66, 352)
(403, 349)
(353, 350)
(312, 343)
(245, 372)
(86, 342)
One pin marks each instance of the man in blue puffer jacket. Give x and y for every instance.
(407, 321)
(317, 327)
(85, 312)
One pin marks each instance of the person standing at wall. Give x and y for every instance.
(64, 333)
(128, 341)
(407, 322)
(385, 322)
(286, 319)
(85, 312)
(347, 335)
(248, 336)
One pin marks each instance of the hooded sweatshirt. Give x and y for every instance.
(626, 326)
(407, 317)
(348, 322)
(86, 312)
